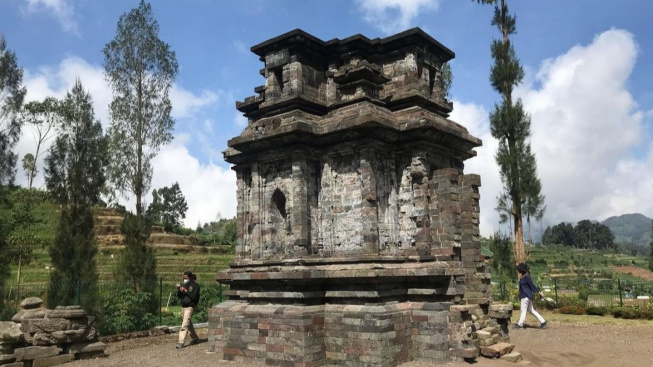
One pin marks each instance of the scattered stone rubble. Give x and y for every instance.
(39, 337)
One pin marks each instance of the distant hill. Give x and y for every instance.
(630, 228)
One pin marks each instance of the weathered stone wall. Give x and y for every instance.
(357, 225)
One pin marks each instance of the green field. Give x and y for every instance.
(170, 265)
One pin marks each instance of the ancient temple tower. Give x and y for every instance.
(357, 228)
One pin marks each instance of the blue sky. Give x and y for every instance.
(589, 75)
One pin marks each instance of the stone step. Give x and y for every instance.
(513, 357)
(497, 350)
(467, 353)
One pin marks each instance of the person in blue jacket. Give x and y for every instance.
(527, 290)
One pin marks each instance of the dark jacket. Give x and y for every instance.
(191, 297)
(526, 287)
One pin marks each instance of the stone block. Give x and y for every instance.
(497, 350)
(31, 353)
(482, 335)
(513, 357)
(10, 333)
(467, 353)
(35, 313)
(67, 312)
(6, 358)
(14, 364)
(31, 302)
(33, 326)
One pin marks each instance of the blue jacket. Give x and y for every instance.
(526, 287)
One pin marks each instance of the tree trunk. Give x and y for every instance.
(530, 235)
(20, 262)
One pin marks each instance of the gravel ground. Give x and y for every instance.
(562, 344)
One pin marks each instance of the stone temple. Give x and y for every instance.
(358, 240)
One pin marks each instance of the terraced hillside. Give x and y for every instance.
(107, 226)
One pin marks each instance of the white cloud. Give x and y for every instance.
(61, 10)
(186, 103)
(392, 16)
(208, 188)
(173, 163)
(586, 128)
(475, 119)
(240, 120)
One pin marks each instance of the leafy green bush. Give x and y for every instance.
(597, 311)
(564, 301)
(572, 310)
(127, 310)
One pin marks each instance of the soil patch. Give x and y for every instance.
(562, 344)
(635, 271)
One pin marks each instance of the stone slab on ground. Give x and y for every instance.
(53, 361)
(85, 348)
(467, 353)
(513, 357)
(6, 358)
(30, 353)
(497, 350)
(15, 364)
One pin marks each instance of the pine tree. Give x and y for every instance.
(12, 94)
(11, 100)
(533, 204)
(137, 263)
(509, 123)
(75, 175)
(650, 259)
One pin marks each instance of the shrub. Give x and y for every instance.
(571, 301)
(572, 310)
(126, 311)
(625, 313)
(597, 311)
(583, 294)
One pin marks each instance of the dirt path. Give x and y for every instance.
(562, 344)
(635, 271)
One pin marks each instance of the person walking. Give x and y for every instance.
(189, 296)
(527, 290)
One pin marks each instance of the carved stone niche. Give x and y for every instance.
(357, 228)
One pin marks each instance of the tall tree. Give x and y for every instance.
(503, 260)
(650, 259)
(140, 69)
(509, 123)
(168, 206)
(22, 239)
(137, 262)
(12, 94)
(75, 175)
(533, 204)
(41, 117)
